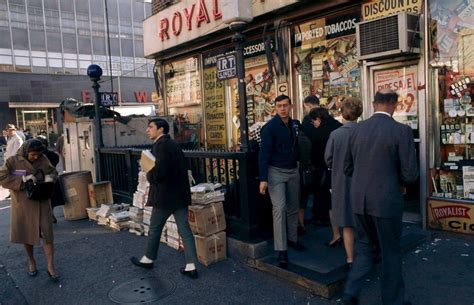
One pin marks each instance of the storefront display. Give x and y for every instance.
(451, 64)
(325, 59)
(183, 97)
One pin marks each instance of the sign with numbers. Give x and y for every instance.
(402, 80)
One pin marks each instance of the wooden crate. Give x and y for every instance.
(100, 193)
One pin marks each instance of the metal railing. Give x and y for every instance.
(235, 170)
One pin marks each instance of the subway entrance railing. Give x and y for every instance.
(236, 170)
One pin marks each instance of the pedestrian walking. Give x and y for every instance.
(169, 194)
(30, 218)
(14, 141)
(325, 124)
(336, 149)
(381, 161)
(278, 171)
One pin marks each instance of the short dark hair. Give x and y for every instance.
(43, 140)
(386, 96)
(161, 123)
(36, 146)
(311, 99)
(351, 108)
(319, 113)
(282, 97)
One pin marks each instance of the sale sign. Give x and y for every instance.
(403, 81)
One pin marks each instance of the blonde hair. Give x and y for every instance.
(351, 108)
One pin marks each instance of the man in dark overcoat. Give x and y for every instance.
(169, 194)
(381, 161)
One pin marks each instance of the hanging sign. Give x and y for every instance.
(226, 66)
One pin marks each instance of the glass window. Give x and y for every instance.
(37, 40)
(138, 12)
(139, 49)
(51, 4)
(82, 7)
(84, 44)
(69, 43)
(20, 39)
(325, 64)
(99, 45)
(125, 12)
(452, 72)
(5, 41)
(147, 10)
(114, 47)
(127, 47)
(67, 6)
(54, 42)
(183, 96)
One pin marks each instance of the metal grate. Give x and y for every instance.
(159, 5)
(379, 36)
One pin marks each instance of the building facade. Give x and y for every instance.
(300, 48)
(47, 45)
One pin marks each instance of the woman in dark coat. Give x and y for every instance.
(325, 124)
(30, 219)
(336, 149)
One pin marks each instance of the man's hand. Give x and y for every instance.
(263, 187)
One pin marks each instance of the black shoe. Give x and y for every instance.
(283, 259)
(33, 273)
(301, 231)
(348, 267)
(191, 273)
(333, 244)
(345, 300)
(54, 277)
(136, 262)
(296, 245)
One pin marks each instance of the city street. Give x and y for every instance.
(93, 260)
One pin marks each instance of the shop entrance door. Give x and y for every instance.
(36, 121)
(401, 77)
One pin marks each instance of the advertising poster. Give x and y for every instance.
(214, 102)
(449, 216)
(379, 8)
(183, 87)
(402, 80)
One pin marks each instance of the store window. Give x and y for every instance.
(452, 72)
(184, 101)
(325, 61)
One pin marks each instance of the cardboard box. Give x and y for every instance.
(211, 249)
(100, 193)
(207, 220)
(147, 161)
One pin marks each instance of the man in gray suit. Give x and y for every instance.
(381, 161)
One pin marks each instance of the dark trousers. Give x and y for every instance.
(383, 233)
(321, 204)
(158, 221)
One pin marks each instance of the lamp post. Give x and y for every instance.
(95, 72)
(237, 14)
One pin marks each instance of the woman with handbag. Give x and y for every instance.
(336, 149)
(30, 207)
(325, 124)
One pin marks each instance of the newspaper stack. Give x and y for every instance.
(119, 220)
(92, 213)
(102, 221)
(172, 236)
(207, 193)
(147, 215)
(136, 228)
(135, 214)
(140, 197)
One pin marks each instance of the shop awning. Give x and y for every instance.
(32, 105)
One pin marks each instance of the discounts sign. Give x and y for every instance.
(403, 81)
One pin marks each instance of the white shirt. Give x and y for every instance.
(13, 143)
(383, 112)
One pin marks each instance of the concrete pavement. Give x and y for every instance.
(93, 261)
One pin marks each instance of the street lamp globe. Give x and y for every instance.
(94, 72)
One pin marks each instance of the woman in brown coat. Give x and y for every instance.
(30, 219)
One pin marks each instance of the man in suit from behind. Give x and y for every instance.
(381, 160)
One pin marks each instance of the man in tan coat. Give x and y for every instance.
(30, 219)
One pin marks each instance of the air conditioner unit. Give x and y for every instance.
(388, 36)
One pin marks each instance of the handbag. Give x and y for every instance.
(39, 190)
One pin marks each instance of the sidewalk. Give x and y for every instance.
(93, 261)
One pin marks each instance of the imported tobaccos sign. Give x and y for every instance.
(449, 216)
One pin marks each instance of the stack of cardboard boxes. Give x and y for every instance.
(207, 221)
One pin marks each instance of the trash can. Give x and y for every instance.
(76, 196)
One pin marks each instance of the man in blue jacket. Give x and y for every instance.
(279, 173)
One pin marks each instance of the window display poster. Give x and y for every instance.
(402, 80)
(214, 104)
(457, 217)
(183, 87)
